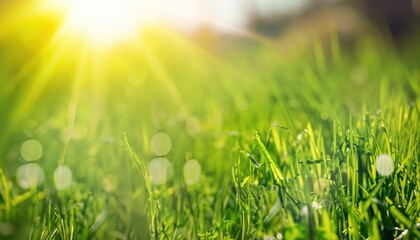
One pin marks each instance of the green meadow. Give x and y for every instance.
(163, 137)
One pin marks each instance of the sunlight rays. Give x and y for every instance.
(79, 77)
(162, 75)
(36, 81)
(37, 75)
(79, 60)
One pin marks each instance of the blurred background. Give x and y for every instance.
(290, 27)
(44, 55)
(282, 20)
(49, 67)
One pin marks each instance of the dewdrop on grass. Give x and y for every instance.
(384, 165)
(29, 175)
(161, 144)
(62, 177)
(304, 211)
(31, 150)
(192, 172)
(316, 205)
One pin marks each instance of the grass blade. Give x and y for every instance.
(278, 176)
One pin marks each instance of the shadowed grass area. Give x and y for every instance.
(287, 148)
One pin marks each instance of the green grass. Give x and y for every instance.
(287, 147)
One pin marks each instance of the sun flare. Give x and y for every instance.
(104, 20)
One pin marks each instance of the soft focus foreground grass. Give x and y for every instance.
(287, 146)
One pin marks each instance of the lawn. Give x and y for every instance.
(163, 137)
